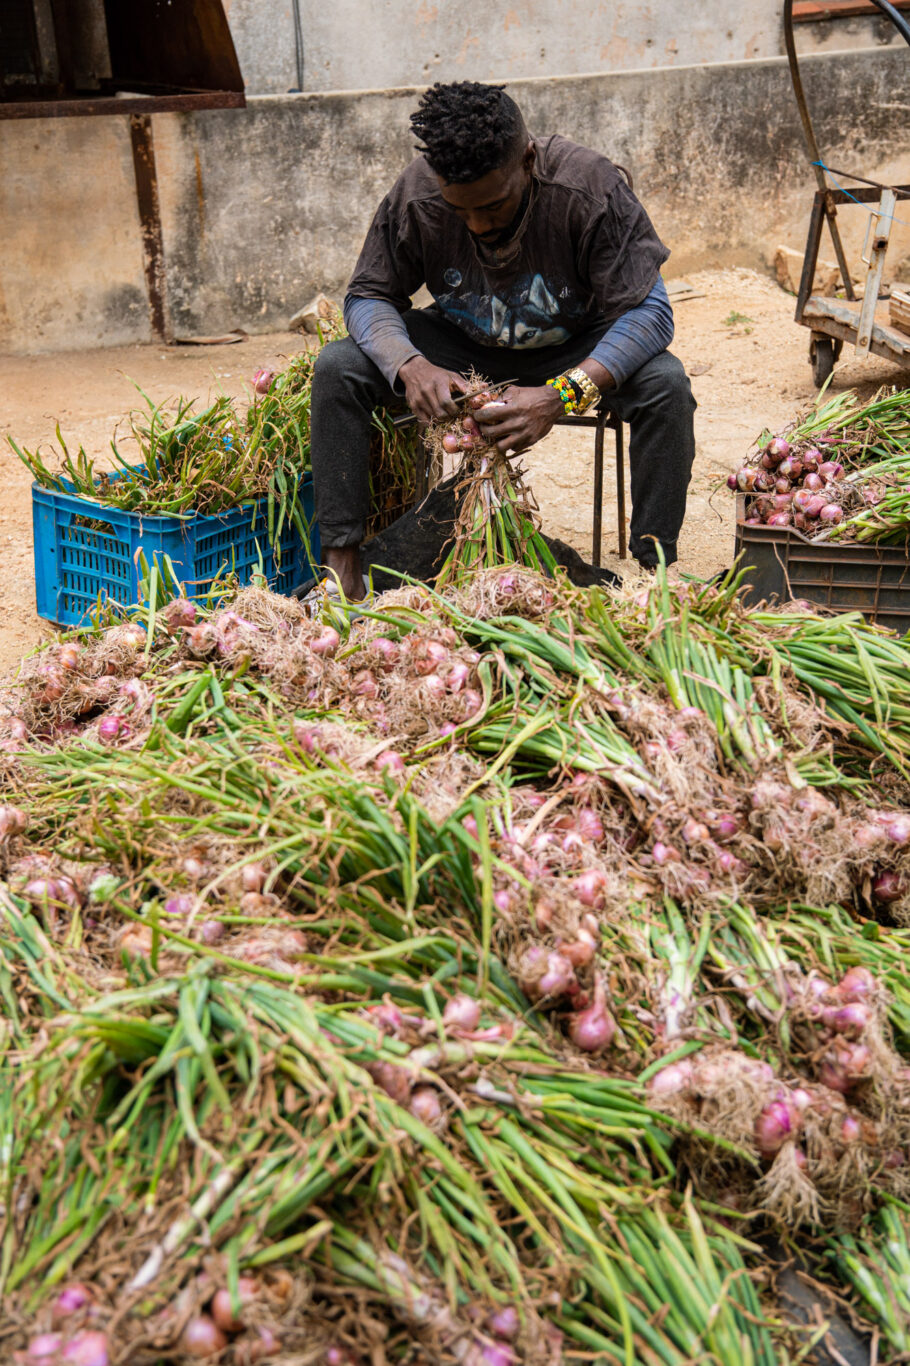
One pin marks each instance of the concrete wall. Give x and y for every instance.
(358, 45)
(266, 205)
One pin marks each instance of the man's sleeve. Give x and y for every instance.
(378, 329)
(637, 335)
(388, 272)
(621, 254)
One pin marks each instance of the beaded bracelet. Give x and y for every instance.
(566, 393)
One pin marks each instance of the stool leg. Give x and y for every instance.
(620, 489)
(598, 488)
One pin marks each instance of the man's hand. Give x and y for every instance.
(428, 388)
(520, 418)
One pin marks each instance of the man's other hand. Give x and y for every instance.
(520, 418)
(428, 388)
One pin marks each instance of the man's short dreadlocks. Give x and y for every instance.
(468, 130)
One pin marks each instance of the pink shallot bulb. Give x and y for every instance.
(13, 821)
(387, 1016)
(110, 729)
(845, 1065)
(676, 1076)
(429, 655)
(86, 1349)
(248, 1289)
(850, 1129)
(589, 887)
(461, 1014)
(71, 1300)
(897, 828)
(388, 650)
(888, 886)
(857, 984)
(326, 643)
(44, 1347)
(424, 1105)
(389, 761)
(252, 877)
(262, 380)
(589, 824)
(202, 1337)
(777, 1122)
(180, 612)
(504, 901)
(664, 853)
(593, 1029)
(504, 1323)
(69, 655)
(850, 1019)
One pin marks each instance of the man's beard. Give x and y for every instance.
(505, 235)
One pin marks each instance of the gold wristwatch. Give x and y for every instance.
(590, 394)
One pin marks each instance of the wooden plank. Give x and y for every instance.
(899, 311)
(834, 319)
(811, 11)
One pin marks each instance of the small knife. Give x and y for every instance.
(407, 419)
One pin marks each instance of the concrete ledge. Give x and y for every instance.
(265, 206)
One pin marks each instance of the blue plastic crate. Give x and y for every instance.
(86, 550)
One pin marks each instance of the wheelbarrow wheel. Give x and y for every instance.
(823, 352)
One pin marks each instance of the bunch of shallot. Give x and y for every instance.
(792, 486)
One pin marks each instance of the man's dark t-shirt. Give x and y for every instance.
(586, 253)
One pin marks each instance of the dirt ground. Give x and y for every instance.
(747, 359)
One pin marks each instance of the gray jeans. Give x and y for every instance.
(656, 402)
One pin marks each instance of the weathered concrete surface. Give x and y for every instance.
(264, 206)
(70, 256)
(349, 45)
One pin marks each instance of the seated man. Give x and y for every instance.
(543, 265)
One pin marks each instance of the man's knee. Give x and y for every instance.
(665, 380)
(338, 362)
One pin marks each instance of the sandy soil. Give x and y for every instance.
(747, 373)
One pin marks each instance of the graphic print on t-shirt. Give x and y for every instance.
(530, 315)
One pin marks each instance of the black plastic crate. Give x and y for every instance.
(842, 576)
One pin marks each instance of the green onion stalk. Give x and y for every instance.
(877, 1268)
(853, 430)
(496, 523)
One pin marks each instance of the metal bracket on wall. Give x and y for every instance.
(150, 223)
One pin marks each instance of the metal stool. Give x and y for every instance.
(600, 419)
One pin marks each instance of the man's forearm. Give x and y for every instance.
(379, 330)
(635, 338)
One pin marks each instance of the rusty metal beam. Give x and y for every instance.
(150, 222)
(106, 104)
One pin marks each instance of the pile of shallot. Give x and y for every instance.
(792, 485)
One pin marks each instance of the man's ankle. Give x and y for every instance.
(344, 563)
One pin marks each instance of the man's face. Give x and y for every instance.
(488, 205)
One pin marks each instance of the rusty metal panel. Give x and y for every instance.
(19, 59)
(107, 104)
(184, 46)
(811, 11)
(147, 56)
